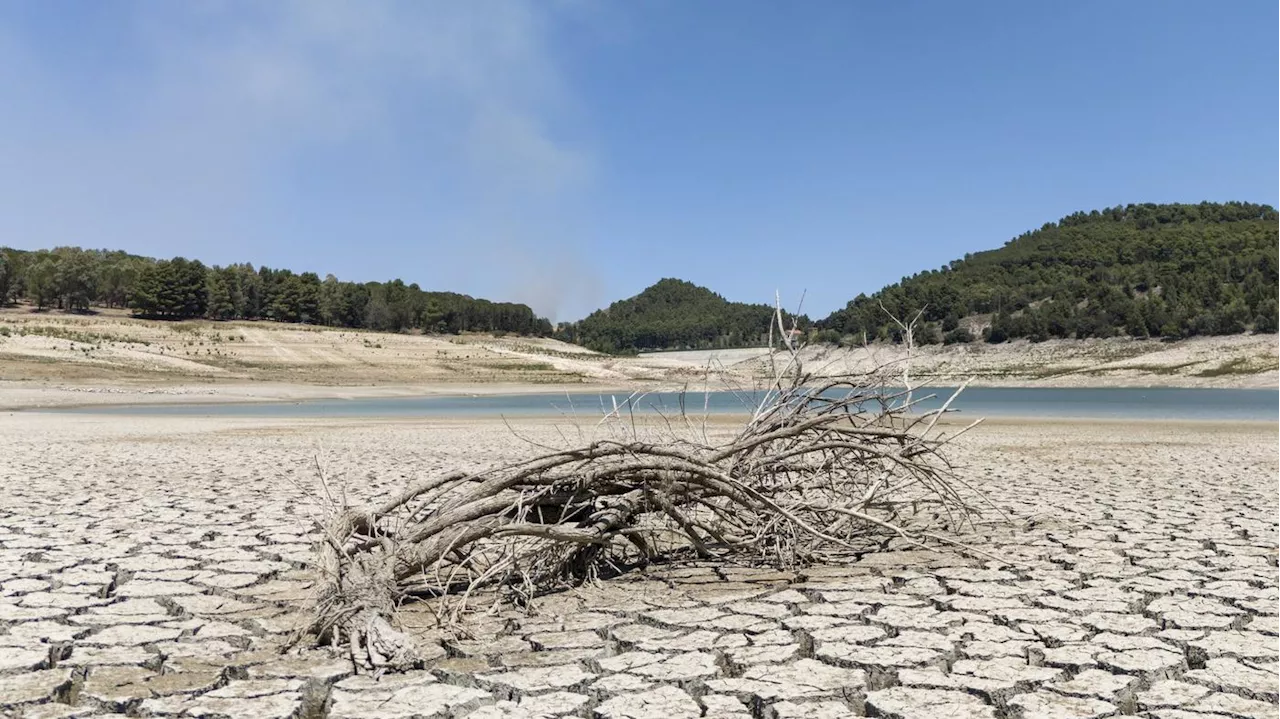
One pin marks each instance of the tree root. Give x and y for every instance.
(821, 466)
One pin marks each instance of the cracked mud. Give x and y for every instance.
(152, 567)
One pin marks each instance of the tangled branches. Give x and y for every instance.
(820, 468)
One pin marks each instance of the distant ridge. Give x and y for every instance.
(1140, 270)
(672, 314)
(1169, 271)
(75, 279)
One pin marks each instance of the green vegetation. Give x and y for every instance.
(1169, 369)
(64, 333)
(532, 349)
(673, 314)
(1239, 366)
(74, 279)
(1146, 270)
(517, 365)
(1140, 270)
(58, 331)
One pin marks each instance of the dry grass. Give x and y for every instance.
(112, 347)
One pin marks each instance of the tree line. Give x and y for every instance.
(1173, 270)
(75, 280)
(674, 314)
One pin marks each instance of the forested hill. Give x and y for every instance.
(1139, 270)
(76, 279)
(673, 314)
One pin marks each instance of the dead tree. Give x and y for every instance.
(819, 468)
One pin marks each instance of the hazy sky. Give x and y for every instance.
(568, 154)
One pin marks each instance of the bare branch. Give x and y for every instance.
(822, 465)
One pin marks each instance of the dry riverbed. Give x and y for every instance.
(152, 566)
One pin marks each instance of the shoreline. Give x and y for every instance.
(121, 411)
(283, 423)
(14, 397)
(53, 362)
(17, 395)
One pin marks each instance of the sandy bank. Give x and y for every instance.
(59, 360)
(33, 395)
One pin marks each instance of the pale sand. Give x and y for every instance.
(60, 360)
(1145, 580)
(1245, 361)
(32, 395)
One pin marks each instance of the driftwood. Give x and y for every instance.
(821, 467)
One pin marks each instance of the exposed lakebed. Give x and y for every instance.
(1099, 403)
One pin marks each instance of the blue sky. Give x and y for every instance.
(570, 153)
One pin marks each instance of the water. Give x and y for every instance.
(1108, 403)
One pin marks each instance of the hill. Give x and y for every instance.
(78, 280)
(115, 349)
(673, 314)
(1145, 270)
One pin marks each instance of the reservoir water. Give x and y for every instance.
(1099, 403)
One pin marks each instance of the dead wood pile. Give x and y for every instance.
(821, 467)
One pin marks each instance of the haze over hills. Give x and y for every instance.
(1172, 271)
